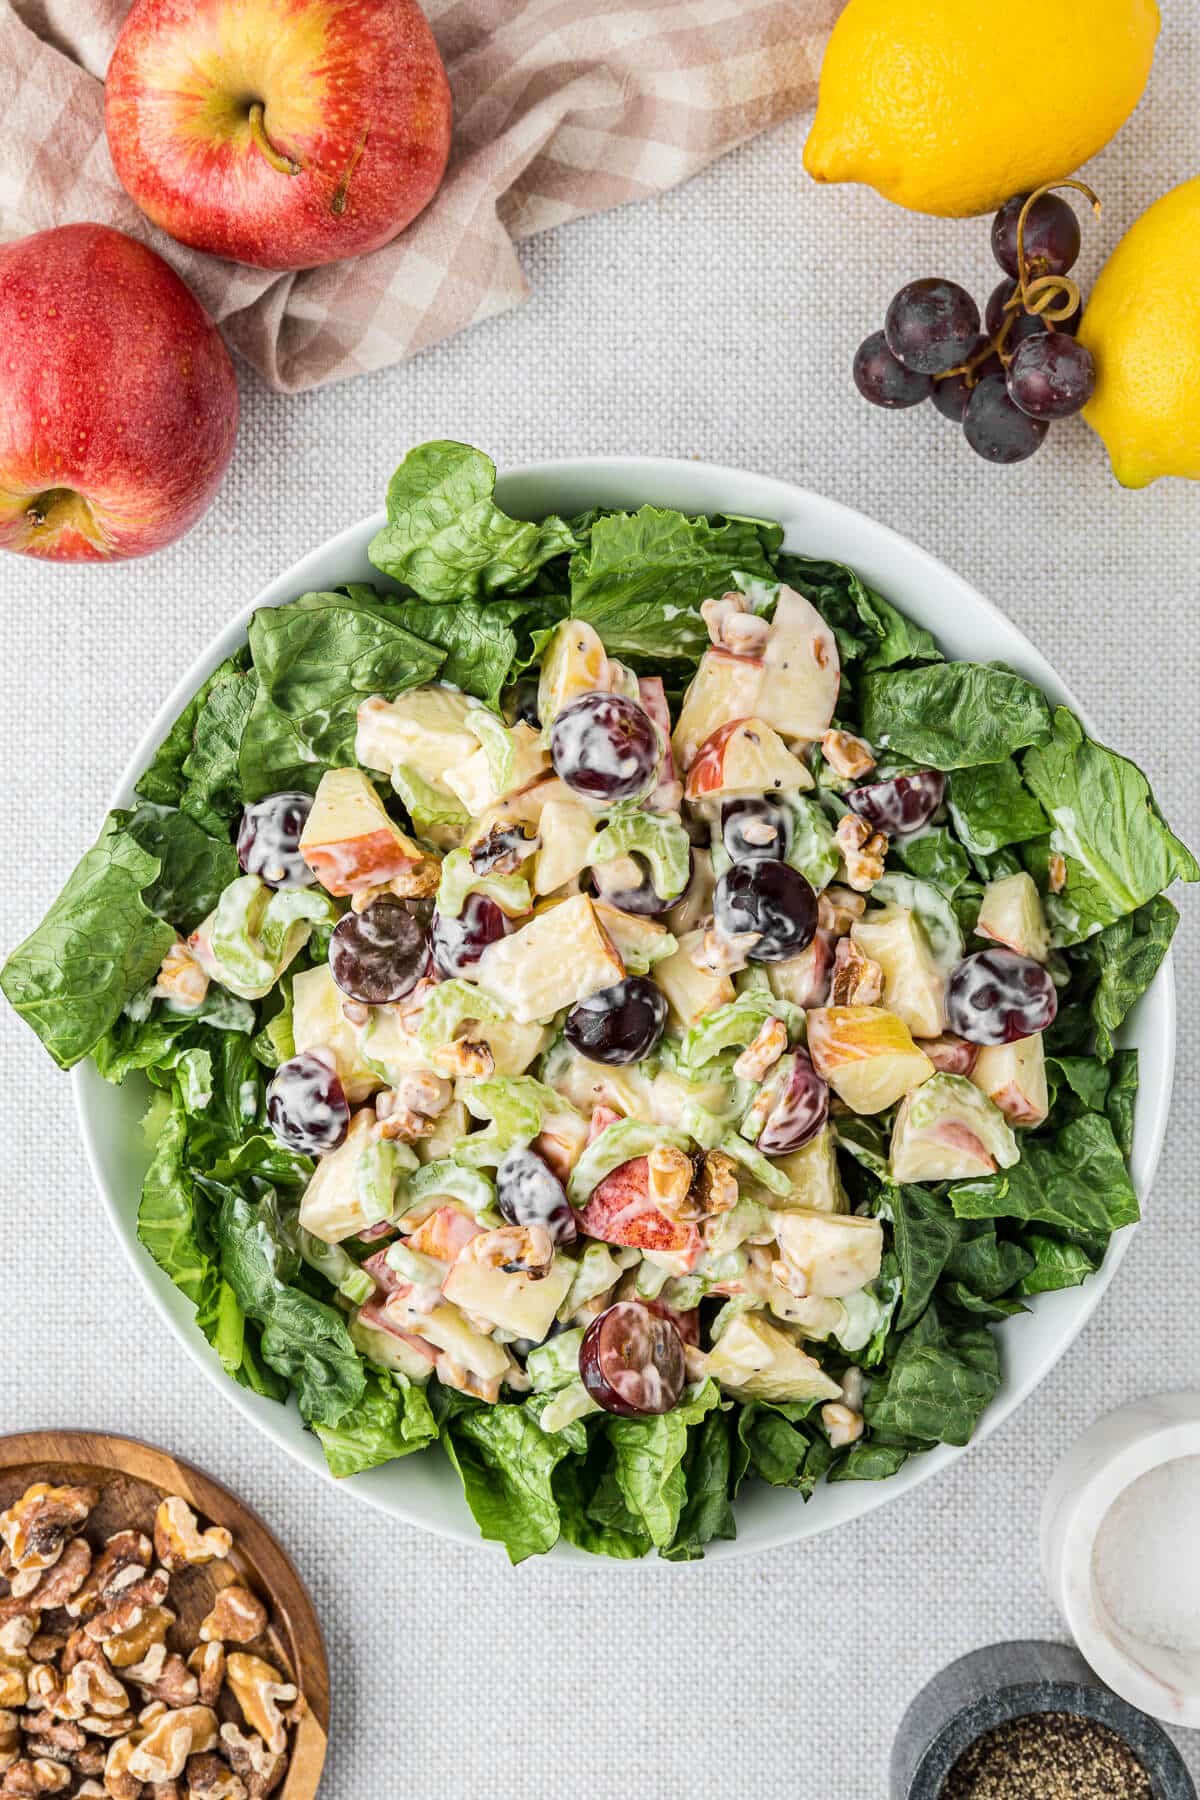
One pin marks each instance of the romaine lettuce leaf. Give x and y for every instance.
(938, 1385)
(97, 947)
(925, 1232)
(1118, 849)
(954, 715)
(1075, 1181)
(641, 577)
(1126, 957)
(867, 627)
(647, 1463)
(192, 866)
(991, 807)
(1055, 1264)
(446, 538)
(506, 1463)
(391, 1419)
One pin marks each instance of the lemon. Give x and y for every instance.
(951, 106)
(1142, 326)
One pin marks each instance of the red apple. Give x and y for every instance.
(282, 133)
(118, 401)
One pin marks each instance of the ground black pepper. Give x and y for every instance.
(1048, 1756)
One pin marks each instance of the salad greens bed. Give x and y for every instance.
(477, 595)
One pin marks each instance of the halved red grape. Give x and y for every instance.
(306, 1104)
(268, 841)
(931, 325)
(458, 944)
(998, 430)
(799, 1105)
(1052, 376)
(1051, 238)
(620, 1024)
(773, 900)
(997, 996)
(632, 1362)
(752, 829)
(883, 379)
(605, 747)
(902, 805)
(529, 1193)
(379, 954)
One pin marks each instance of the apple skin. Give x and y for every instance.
(118, 400)
(356, 122)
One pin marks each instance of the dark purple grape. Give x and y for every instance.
(306, 1104)
(996, 997)
(996, 429)
(1025, 324)
(458, 944)
(605, 747)
(379, 954)
(799, 1105)
(931, 325)
(952, 393)
(902, 805)
(268, 840)
(529, 1193)
(620, 1024)
(1051, 377)
(883, 380)
(752, 829)
(771, 899)
(632, 1361)
(611, 882)
(525, 703)
(1051, 239)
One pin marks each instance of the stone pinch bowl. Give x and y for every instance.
(1009, 1681)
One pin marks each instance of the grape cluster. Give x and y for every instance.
(1004, 377)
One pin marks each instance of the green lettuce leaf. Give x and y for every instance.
(506, 1463)
(316, 660)
(192, 866)
(391, 1419)
(991, 807)
(642, 576)
(648, 1459)
(868, 627)
(938, 1384)
(707, 1510)
(480, 638)
(213, 795)
(1118, 849)
(781, 1445)
(925, 1232)
(1075, 1181)
(954, 715)
(933, 855)
(446, 538)
(1056, 1264)
(1126, 956)
(985, 1264)
(97, 947)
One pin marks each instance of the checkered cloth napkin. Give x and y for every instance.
(561, 107)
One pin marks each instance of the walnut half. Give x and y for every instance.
(179, 1541)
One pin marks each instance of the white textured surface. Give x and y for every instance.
(718, 322)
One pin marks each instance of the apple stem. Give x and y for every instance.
(286, 165)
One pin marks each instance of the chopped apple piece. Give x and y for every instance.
(561, 956)
(574, 662)
(866, 1055)
(913, 986)
(1013, 1076)
(423, 728)
(473, 780)
(831, 1253)
(745, 756)
(801, 670)
(724, 687)
(641, 943)
(813, 1173)
(691, 993)
(949, 1131)
(804, 979)
(1012, 914)
(514, 1302)
(349, 842)
(562, 1140)
(754, 1360)
(446, 1328)
(318, 1023)
(568, 831)
(352, 1187)
(388, 1041)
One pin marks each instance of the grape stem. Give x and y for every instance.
(1049, 297)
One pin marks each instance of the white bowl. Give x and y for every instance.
(1100, 1467)
(423, 1490)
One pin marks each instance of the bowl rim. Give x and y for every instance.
(779, 497)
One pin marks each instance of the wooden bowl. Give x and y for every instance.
(132, 1478)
